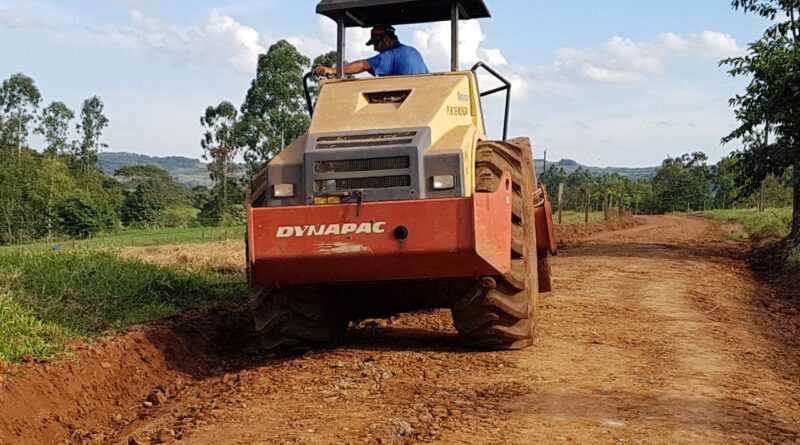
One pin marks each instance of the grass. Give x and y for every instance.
(49, 298)
(570, 217)
(772, 223)
(141, 237)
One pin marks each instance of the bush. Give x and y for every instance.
(144, 207)
(183, 217)
(83, 217)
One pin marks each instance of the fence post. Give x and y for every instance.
(588, 204)
(560, 200)
(605, 206)
(621, 210)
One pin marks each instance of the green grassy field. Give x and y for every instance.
(570, 217)
(49, 298)
(772, 223)
(140, 237)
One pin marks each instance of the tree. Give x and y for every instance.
(682, 183)
(91, 127)
(172, 193)
(19, 99)
(552, 178)
(274, 113)
(81, 216)
(219, 146)
(54, 126)
(768, 110)
(144, 207)
(724, 181)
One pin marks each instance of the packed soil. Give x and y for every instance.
(654, 334)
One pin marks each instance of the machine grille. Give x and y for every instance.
(365, 140)
(378, 182)
(357, 165)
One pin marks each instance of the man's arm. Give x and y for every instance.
(357, 67)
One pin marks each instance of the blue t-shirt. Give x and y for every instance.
(401, 60)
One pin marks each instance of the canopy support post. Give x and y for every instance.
(454, 12)
(340, 45)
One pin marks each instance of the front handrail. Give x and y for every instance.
(309, 104)
(506, 86)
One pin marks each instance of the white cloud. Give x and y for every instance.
(624, 61)
(433, 42)
(325, 41)
(15, 19)
(710, 44)
(221, 41)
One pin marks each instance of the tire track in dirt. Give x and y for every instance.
(652, 337)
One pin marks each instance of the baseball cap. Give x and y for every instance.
(378, 32)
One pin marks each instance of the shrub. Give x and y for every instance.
(84, 217)
(184, 217)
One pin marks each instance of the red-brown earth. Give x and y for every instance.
(657, 333)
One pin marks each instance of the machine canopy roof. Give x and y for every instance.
(367, 13)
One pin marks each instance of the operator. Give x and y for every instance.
(393, 58)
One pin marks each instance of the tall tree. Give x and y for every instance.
(19, 100)
(91, 127)
(682, 182)
(54, 126)
(172, 193)
(219, 147)
(723, 176)
(769, 110)
(144, 207)
(274, 113)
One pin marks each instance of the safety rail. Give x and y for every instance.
(506, 86)
(306, 89)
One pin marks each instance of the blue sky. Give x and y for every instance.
(620, 83)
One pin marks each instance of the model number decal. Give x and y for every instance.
(459, 110)
(331, 229)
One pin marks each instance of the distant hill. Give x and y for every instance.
(193, 172)
(570, 166)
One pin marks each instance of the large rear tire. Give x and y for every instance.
(291, 319)
(501, 312)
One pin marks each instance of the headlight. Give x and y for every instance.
(444, 182)
(283, 191)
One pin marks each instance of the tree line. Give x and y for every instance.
(684, 183)
(59, 190)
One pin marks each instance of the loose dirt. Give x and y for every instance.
(654, 334)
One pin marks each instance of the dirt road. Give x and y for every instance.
(656, 334)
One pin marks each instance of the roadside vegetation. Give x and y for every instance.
(49, 299)
(756, 226)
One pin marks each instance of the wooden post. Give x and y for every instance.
(605, 206)
(761, 204)
(588, 204)
(621, 208)
(560, 201)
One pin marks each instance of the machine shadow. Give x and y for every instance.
(222, 339)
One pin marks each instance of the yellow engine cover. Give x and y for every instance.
(447, 103)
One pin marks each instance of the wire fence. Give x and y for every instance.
(576, 205)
